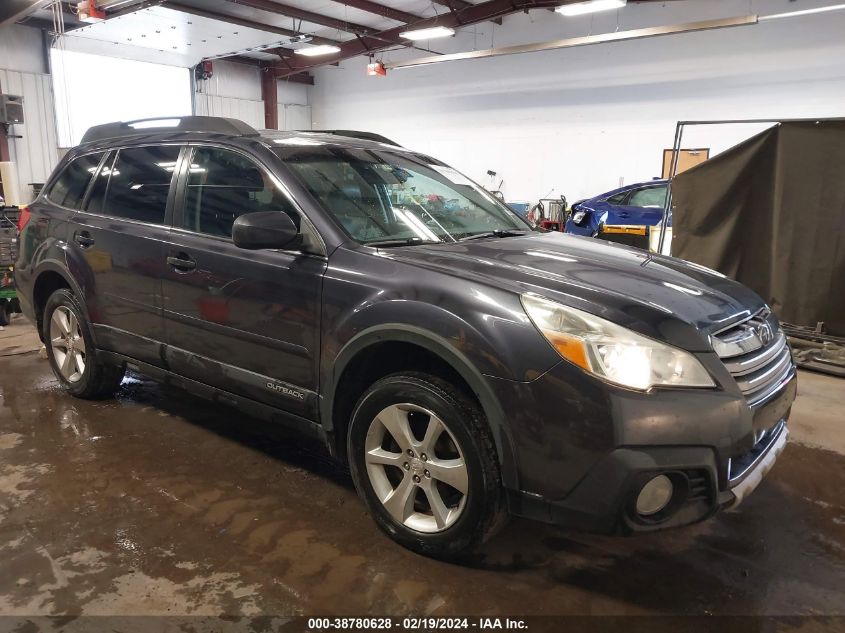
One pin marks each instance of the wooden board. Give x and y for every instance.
(687, 158)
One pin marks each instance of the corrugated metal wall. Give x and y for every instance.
(293, 116)
(233, 91)
(36, 153)
(246, 110)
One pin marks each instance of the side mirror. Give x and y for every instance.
(264, 229)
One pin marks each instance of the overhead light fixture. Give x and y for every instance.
(592, 6)
(322, 49)
(428, 34)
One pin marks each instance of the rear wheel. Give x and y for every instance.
(423, 460)
(71, 351)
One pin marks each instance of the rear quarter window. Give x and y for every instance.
(69, 188)
(139, 183)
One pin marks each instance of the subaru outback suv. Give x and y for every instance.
(463, 365)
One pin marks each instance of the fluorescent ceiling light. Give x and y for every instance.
(428, 34)
(795, 14)
(323, 49)
(592, 6)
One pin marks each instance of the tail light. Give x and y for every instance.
(23, 218)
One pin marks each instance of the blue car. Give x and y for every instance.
(622, 215)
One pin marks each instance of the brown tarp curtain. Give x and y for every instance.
(770, 213)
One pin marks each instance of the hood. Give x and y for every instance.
(662, 297)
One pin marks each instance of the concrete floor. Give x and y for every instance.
(158, 503)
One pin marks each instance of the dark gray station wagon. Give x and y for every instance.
(463, 364)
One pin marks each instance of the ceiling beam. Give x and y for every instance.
(472, 14)
(379, 9)
(307, 16)
(280, 51)
(299, 78)
(454, 5)
(224, 17)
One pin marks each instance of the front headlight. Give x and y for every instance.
(613, 352)
(578, 217)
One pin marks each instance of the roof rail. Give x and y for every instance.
(364, 136)
(212, 124)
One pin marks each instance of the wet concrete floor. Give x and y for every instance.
(159, 503)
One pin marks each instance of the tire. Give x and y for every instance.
(382, 469)
(83, 374)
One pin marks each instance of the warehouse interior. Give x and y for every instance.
(160, 503)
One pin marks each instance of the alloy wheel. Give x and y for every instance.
(67, 343)
(416, 468)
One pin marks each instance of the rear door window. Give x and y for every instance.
(69, 188)
(139, 183)
(649, 197)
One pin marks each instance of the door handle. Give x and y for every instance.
(182, 262)
(83, 238)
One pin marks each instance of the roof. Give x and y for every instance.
(329, 137)
(167, 127)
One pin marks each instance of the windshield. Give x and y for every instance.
(381, 196)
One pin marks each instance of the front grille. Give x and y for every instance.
(756, 354)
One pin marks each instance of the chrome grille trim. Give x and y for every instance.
(742, 365)
(773, 387)
(762, 369)
(757, 380)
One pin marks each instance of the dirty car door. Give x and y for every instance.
(117, 241)
(241, 320)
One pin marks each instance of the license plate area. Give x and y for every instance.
(776, 408)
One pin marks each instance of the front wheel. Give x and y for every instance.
(422, 459)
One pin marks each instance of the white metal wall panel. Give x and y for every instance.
(21, 48)
(290, 92)
(231, 79)
(247, 110)
(293, 116)
(36, 152)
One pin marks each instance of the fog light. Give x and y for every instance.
(654, 495)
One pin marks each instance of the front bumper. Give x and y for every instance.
(714, 447)
(604, 501)
(762, 459)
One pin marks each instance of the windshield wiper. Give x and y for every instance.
(495, 233)
(408, 241)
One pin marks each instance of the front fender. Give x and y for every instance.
(480, 330)
(446, 350)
